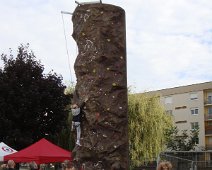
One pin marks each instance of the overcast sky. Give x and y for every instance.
(169, 42)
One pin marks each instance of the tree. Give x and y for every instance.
(148, 123)
(181, 140)
(32, 104)
(66, 137)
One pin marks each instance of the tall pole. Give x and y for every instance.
(100, 33)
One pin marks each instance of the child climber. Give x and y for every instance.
(76, 121)
(77, 112)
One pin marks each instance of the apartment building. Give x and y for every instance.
(191, 107)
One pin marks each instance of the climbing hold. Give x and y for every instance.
(97, 116)
(114, 84)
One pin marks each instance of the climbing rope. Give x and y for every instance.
(67, 52)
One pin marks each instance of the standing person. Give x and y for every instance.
(33, 166)
(4, 167)
(10, 165)
(68, 165)
(165, 165)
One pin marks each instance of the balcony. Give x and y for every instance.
(208, 132)
(208, 102)
(208, 147)
(208, 129)
(208, 117)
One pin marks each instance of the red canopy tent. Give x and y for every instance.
(42, 151)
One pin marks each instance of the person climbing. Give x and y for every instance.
(77, 112)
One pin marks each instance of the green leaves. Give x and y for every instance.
(32, 103)
(147, 125)
(181, 140)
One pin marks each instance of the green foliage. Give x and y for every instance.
(148, 123)
(32, 104)
(181, 141)
(66, 138)
(69, 91)
(70, 88)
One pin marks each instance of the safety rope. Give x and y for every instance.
(67, 52)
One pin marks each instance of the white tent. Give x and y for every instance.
(5, 150)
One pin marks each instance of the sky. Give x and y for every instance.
(169, 42)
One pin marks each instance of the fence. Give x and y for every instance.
(189, 160)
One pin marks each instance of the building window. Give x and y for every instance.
(210, 140)
(193, 96)
(194, 125)
(209, 123)
(194, 111)
(209, 99)
(197, 140)
(210, 110)
(168, 100)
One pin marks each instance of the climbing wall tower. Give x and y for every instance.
(100, 67)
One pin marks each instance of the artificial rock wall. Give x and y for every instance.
(99, 31)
